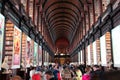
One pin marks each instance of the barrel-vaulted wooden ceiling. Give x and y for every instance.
(64, 23)
(62, 18)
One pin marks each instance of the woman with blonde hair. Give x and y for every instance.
(79, 74)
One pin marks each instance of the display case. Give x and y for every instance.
(98, 51)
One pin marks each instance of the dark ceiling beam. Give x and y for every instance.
(60, 16)
(62, 26)
(60, 19)
(82, 5)
(63, 18)
(63, 8)
(63, 21)
(62, 31)
(59, 2)
(44, 2)
(65, 13)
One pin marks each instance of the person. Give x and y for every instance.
(36, 76)
(32, 72)
(16, 77)
(49, 75)
(78, 73)
(86, 76)
(56, 72)
(96, 74)
(66, 74)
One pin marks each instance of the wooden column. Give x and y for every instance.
(27, 7)
(34, 2)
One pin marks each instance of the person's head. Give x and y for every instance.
(16, 78)
(96, 67)
(50, 66)
(48, 74)
(88, 69)
(56, 67)
(32, 68)
(66, 68)
(38, 68)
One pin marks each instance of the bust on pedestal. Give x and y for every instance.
(5, 65)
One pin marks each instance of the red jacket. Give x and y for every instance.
(59, 76)
(86, 77)
(36, 77)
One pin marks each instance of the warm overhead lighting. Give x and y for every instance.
(61, 54)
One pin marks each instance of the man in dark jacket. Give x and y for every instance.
(55, 72)
(49, 75)
(96, 74)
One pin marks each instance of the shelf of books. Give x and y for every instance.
(40, 55)
(88, 55)
(85, 56)
(9, 41)
(98, 51)
(24, 50)
(91, 54)
(105, 46)
(108, 48)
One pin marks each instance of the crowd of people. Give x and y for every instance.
(65, 72)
